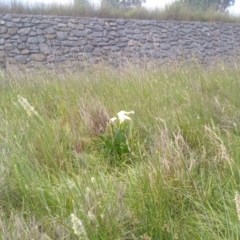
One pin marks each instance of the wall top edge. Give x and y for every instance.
(6, 16)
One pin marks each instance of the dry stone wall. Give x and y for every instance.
(65, 41)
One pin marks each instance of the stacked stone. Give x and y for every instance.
(54, 40)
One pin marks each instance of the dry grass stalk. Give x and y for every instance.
(221, 150)
(237, 202)
(174, 153)
(94, 115)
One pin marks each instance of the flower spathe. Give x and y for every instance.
(122, 115)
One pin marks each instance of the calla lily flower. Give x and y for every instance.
(122, 116)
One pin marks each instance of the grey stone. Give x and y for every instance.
(146, 22)
(10, 24)
(82, 42)
(2, 41)
(60, 58)
(3, 29)
(28, 24)
(102, 44)
(15, 51)
(148, 46)
(25, 51)
(37, 57)
(21, 46)
(155, 54)
(101, 21)
(23, 38)
(21, 58)
(122, 44)
(16, 19)
(39, 32)
(8, 47)
(32, 34)
(50, 36)
(95, 35)
(130, 42)
(12, 31)
(49, 30)
(27, 20)
(55, 42)
(102, 39)
(121, 21)
(163, 54)
(123, 39)
(97, 52)
(115, 48)
(71, 25)
(97, 28)
(24, 31)
(74, 50)
(88, 48)
(33, 47)
(134, 36)
(114, 33)
(43, 26)
(80, 26)
(78, 33)
(113, 23)
(122, 33)
(62, 35)
(44, 48)
(165, 46)
(69, 43)
(72, 38)
(62, 25)
(128, 30)
(38, 39)
(7, 17)
(35, 20)
(88, 31)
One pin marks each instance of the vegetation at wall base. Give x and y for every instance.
(183, 178)
(176, 12)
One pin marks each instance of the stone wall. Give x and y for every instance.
(65, 41)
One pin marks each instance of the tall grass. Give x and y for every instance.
(176, 11)
(180, 183)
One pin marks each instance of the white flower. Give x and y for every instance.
(93, 180)
(112, 119)
(91, 216)
(122, 116)
(27, 107)
(78, 227)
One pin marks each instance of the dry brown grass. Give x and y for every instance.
(94, 115)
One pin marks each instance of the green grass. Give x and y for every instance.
(176, 12)
(179, 183)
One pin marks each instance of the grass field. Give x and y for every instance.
(170, 172)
